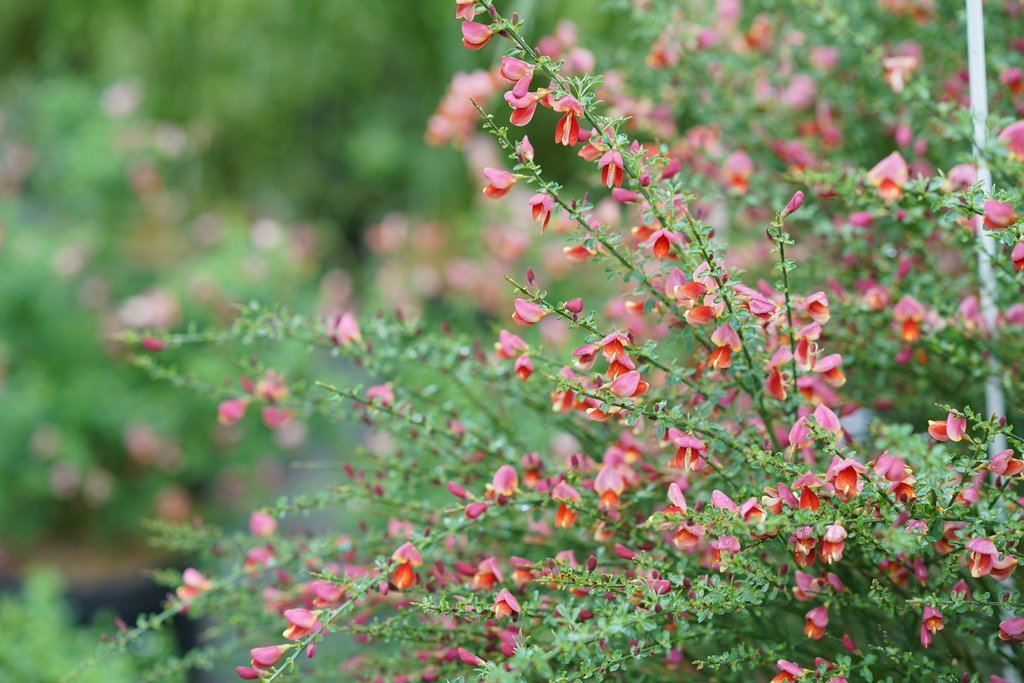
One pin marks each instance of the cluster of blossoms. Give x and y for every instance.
(707, 455)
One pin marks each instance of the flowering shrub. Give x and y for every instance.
(719, 476)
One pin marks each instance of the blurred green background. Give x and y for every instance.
(162, 161)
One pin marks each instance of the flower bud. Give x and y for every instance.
(795, 203)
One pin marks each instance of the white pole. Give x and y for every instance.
(995, 400)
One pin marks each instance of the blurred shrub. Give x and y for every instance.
(96, 239)
(41, 645)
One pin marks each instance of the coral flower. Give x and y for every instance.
(407, 557)
(984, 560)
(1005, 465)
(950, 429)
(889, 176)
(816, 306)
(910, 312)
(844, 474)
(609, 485)
(567, 132)
(523, 367)
(831, 549)
(815, 622)
(542, 205)
(565, 516)
(736, 169)
(509, 345)
(690, 453)
(661, 242)
(506, 605)
(611, 169)
(501, 182)
(301, 623)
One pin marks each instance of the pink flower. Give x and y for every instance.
(1012, 630)
(628, 384)
(508, 345)
(275, 417)
(475, 35)
(609, 484)
(194, 584)
(501, 182)
(1013, 137)
(345, 330)
(262, 524)
(889, 176)
(464, 9)
(301, 623)
(513, 69)
(931, 623)
(1005, 465)
(999, 215)
(232, 410)
(382, 392)
(505, 481)
(528, 312)
(266, 657)
(910, 312)
(690, 453)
